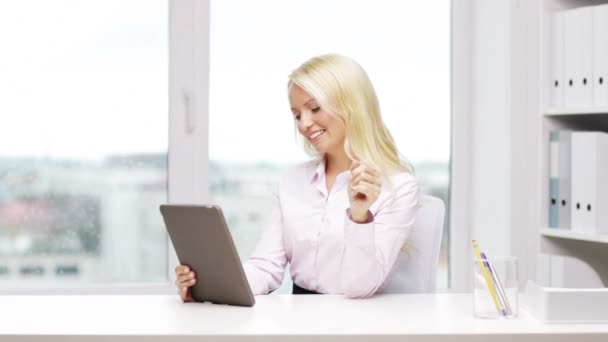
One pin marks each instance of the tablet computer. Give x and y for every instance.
(202, 241)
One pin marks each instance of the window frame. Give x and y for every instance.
(188, 107)
(461, 162)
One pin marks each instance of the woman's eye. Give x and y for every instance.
(316, 109)
(297, 117)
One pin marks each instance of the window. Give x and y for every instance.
(404, 47)
(83, 141)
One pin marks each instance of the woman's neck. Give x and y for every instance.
(336, 163)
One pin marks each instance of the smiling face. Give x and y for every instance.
(321, 129)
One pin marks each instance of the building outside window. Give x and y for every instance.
(83, 142)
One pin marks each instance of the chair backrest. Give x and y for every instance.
(416, 267)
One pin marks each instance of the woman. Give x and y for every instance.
(342, 219)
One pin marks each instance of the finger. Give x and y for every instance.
(188, 275)
(368, 189)
(373, 171)
(182, 282)
(368, 177)
(183, 293)
(372, 187)
(357, 171)
(369, 168)
(365, 167)
(184, 279)
(186, 283)
(362, 168)
(358, 165)
(182, 269)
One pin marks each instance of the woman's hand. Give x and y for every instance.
(364, 190)
(184, 279)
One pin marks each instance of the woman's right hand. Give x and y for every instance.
(185, 278)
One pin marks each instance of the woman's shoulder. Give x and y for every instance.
(299, 172)
(401, 189)
(402, 185)
(401, 179)
(308, 167)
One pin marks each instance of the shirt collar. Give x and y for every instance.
(318, 171)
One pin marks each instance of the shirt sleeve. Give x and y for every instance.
(265, 268)
(371, 248)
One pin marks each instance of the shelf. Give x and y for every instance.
(575, 111)
(568, 234)
(589, 248)
(554, 304)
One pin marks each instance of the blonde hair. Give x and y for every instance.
(343, 89)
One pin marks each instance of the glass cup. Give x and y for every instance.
(495, 287)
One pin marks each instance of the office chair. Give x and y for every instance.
(416, 267)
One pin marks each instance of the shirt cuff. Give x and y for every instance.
(254, 283)
(370, 217)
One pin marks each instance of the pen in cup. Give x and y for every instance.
(486, 276)
(501, 293)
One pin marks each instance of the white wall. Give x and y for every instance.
(491, 186)
(481, 133)
(504, 136)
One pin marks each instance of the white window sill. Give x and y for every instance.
(93, 289)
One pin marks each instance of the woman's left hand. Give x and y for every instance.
(364, 190)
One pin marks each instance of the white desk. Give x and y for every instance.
(440, 317)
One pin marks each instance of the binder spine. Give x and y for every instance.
(553, 179)
(600, 56)
(564, 195)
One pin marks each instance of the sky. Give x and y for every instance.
(85, 79)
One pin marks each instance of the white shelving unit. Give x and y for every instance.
(591, 249)
(583, 111)
(568, 234)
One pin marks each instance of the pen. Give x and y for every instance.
(501, 293)
(487, 277)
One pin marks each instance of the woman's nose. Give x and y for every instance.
(305, 121)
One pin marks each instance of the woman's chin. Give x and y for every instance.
(319, 150)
